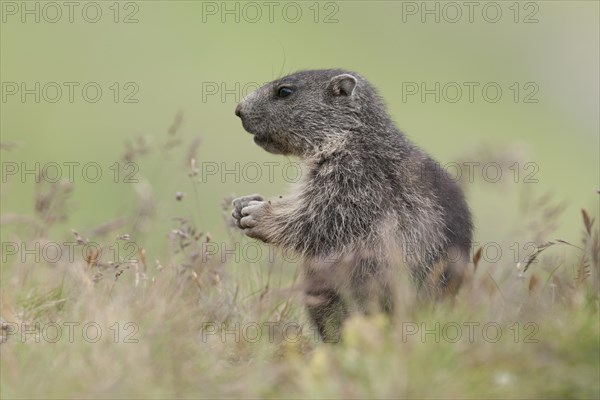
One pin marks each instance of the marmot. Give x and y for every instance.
(369, 201)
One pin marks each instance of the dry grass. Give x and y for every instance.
(184, 326)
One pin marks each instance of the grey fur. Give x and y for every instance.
(370, 202)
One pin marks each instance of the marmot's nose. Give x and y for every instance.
(238, 110)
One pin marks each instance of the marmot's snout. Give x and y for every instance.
(238, 110)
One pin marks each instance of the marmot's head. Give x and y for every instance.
(301, 112)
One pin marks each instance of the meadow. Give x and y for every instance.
(97, 316)
(121, 273)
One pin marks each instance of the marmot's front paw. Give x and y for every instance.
(239, 204)
(253, 221)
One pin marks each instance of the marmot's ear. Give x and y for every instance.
(343, 85)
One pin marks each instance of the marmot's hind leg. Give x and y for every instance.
(327, 312)
(446, 275)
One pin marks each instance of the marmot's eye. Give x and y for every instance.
(284, 91)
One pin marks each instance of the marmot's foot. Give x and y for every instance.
(253, 222)
(239, 204)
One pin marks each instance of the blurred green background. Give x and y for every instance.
(178, 50)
